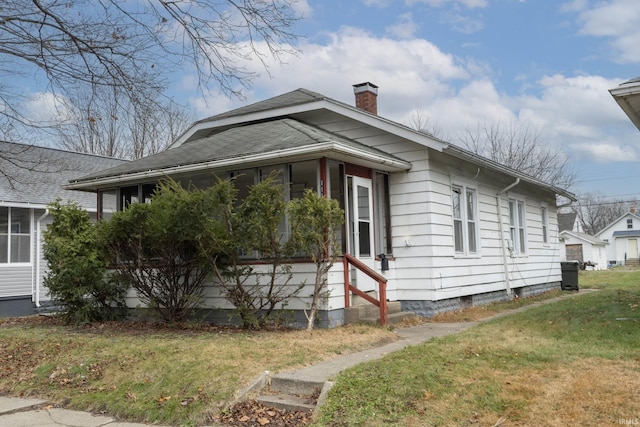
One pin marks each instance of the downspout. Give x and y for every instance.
(39, 254)
(504, 242)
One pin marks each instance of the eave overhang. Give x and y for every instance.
(627, 95)
(333, 149)
(497, 167)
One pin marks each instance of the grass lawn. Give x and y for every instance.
(574, 362)
(154, 374)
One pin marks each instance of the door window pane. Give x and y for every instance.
(364, 239)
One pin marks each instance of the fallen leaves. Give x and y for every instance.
(250, 413)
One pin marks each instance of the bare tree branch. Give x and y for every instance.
(520, 148)
(596, 210)
(136, 46)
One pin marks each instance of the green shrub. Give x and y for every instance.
(252, 228)
(77, 278)
(154, 249)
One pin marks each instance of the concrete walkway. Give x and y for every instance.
(16, 412)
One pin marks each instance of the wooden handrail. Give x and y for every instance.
(382, 286)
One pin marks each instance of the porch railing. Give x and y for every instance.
(348, 260)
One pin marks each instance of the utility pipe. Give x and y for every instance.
(504, 242)
(39, 254)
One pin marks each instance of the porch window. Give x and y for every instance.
(337, 192)
(128, 195)
(545, 224)
(15, 235)
(382, 213)
(465, 224)
(517, 226)
(107, 203)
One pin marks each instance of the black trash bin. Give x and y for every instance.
(569, 275)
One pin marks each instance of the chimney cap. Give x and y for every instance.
(366, 86)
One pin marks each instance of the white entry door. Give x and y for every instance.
(360, 224)
(633, 249)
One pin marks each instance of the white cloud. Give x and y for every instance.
(47, 108)
(377, 3)
(616, 20)
(409, 72)
(461, 22)
(406, 28)
(471, 4)
(575, 113)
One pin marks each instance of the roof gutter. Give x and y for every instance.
(505, 264)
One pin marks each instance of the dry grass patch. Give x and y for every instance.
(474, 314)
(151, 373)
(590, 392)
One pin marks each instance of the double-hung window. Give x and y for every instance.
(465, 222)
(517, 226)
(15, 235)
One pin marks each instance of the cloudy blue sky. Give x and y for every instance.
(542, 63)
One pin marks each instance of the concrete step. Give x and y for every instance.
(297, 387)
(353, 314)
(287, 401)
(290, 394)
(392, 319)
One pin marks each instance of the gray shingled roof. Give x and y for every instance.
(566, 221)
(296, 97)
(236, 142)
(584, 236)
(627, 233)
(37, 174)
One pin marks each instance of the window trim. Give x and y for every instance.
(464, 221)
(518, 233)
(9, 233)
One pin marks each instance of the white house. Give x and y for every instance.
(622, 236)
(589, 251)
(30, 178)
(456, 229)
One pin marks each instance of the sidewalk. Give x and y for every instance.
(16, 412)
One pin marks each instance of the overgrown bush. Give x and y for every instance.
(315, 223)
(77, 278)
(154, 249)
(237, 234)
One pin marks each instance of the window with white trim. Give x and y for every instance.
(465, 223)
(15, 235)
(545, 224)
(517, 227)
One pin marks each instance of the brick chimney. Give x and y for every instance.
(366, 97)
(632, 209)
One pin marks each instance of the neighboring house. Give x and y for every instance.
(30, 178)
(454, 229)
(622, 236)
(579, 246)
(589, 251)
